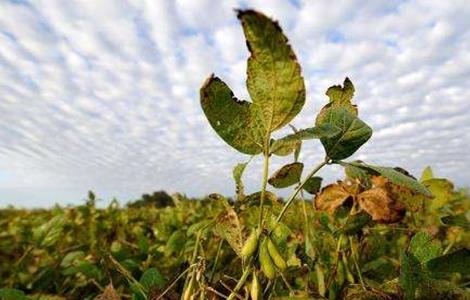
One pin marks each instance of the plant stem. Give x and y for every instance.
(240, 282)
(265, 183)
(298, 189)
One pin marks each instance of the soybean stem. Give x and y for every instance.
(298, 189)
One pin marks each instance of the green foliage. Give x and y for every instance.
(341, 247)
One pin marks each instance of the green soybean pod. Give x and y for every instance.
(250, 245)
(276, 256)
(340, 273)
(347, 271)
(255, 288)
(267, 265)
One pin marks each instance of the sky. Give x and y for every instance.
(104, 95)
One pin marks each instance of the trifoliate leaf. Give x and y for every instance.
(287, 175)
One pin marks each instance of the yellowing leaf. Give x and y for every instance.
(441, 189)
(331, 197)
(287, 175)
(342, 96)
(380, 206)
(275, 82)
(228, 227)
(427, 174)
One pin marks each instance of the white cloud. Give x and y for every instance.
(105, 95)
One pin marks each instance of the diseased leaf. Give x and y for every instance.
(237, 176)
(236, 122)
(412, 200)
(424, 247)
(455, 262)
(254, 199)
(459, 220)
(331, 197)
(341, 96)
(228, 227)
(275, 82)
(427, 174)
(287, 175)
(395, 177)
(381, 206)
(313, 184)
(284, 147)
(353, 132)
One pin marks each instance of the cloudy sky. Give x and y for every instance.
(103, 95)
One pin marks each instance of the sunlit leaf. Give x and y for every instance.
(275, 82)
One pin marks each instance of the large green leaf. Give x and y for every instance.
(352, 135)
(395, 177)
(275, 82)
(287, 175)
(424, 247)
(455, 262)
(237, 122)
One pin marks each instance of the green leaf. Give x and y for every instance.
(325, 130)
(236, 122)
(237, 176)
(313, 184)
(275, 81)
(341, 96)
(424, 247)
(287, 175)
(12, 294)
(427, 174)
(410, 275)
(50, 232)
(353, 132)
(455, 262)
(395, 177)
(355, 223)
(152, 279)
(459, 220)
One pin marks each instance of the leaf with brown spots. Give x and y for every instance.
(331, 197)
(378, 203)
(228, 227)
(287, 175)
